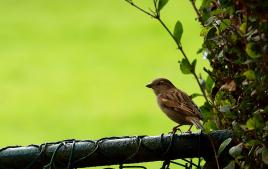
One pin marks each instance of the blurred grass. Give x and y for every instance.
(78, 69)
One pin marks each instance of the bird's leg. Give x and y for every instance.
(176, 128)
(189, 130)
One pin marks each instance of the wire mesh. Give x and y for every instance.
(97, 148)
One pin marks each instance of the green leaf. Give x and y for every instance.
(194, 95)
(185, 66)
(223, 145)
(251, 124)
(235, 151)
(265, 109)
(243, 27)
(237, 130)
(205, 31)
(199, 51)
(210, 20)
(253, 142)
(209, 126)
(211, 33)
(258, 111)
(220, 55)
(209, 84)
(216, 12)
(255, 122)
(224, 98)
(230, 115)
(161, 4)
(225, 23)
(225, 108)
(265, 156)
(251, 52)
(193, 65)
(231, 165)
(233, 38)
(250, 74)
(178, 30)
(259, 150)
(206, 111)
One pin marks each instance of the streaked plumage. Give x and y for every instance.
(176, 104)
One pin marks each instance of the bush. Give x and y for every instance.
(235, 43)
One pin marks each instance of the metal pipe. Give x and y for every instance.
(110, 151)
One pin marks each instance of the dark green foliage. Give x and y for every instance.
(236, 44)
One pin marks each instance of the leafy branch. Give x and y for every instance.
(186, 66)
(197, 12)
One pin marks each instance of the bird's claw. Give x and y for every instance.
(175, 129)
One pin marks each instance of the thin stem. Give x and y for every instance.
(156, 10)
(184, 55)
(214, 151)
(200, 86)
(157, 17)
(197, 11)
(170, 33)
(139, 8)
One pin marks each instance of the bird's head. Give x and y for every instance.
(160, 85)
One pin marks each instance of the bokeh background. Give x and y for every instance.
(78, 68)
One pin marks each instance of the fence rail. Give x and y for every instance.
(111, 150)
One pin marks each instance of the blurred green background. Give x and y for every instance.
(78, 68)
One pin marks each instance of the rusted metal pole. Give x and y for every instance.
(110, 151)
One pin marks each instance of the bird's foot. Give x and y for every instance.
(189, 130)
(175, 129)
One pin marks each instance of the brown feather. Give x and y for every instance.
(182, 104)
(176, 104)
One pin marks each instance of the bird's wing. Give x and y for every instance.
(180, 102)
(189, 100)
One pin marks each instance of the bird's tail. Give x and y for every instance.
(197, 123)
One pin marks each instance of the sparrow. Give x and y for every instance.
(176, 104)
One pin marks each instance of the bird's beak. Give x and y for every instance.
(149, 85)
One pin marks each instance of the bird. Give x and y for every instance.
(176, 104)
